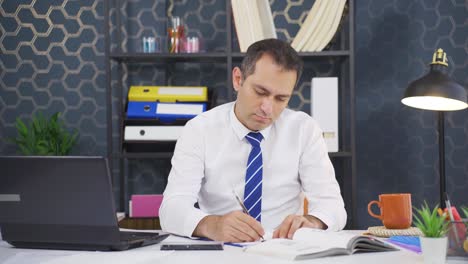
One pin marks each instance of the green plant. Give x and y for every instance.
(429, 222)
(44, 137)
(465, 211)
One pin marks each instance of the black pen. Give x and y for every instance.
(244, 209)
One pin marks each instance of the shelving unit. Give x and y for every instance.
(344, 160)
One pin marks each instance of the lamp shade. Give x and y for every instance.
(436, 91)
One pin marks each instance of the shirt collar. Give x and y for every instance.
(240, 130)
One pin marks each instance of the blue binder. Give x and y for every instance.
(166, 112)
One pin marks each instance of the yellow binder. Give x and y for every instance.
(168, 93)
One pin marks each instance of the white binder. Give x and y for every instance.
(153, 133)
(324, 109)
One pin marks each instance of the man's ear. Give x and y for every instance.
(236, 78)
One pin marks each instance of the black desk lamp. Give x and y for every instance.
(437, 92)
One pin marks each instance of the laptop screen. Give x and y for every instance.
(59, 194)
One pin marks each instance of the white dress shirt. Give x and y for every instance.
(210, 161)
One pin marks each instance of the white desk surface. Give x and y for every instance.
(152, 254)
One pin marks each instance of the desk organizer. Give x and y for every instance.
(458, 239)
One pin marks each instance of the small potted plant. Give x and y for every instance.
(45, 137)
(434, 229)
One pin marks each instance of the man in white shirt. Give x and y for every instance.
(211, 160)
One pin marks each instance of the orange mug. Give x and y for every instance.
(395, 210)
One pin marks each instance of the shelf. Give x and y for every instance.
(320, 54)
(146, 155)
(327, 53)
(170, 57)
(208, 56)
(153, 122)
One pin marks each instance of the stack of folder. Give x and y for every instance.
(158, 113)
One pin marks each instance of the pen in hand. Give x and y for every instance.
(244, 209)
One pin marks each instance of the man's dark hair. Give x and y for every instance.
(281, 52)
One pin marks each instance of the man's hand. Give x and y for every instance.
(293, 222)
(235, 226)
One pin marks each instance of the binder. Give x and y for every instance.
(152, 133)
(145, 205)
(166, 112)
(168, 93)
(324, 109)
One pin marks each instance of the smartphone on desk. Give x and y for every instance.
(208, 245)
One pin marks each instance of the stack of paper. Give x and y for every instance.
(253, 21)
(320, 25)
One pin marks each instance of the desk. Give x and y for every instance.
(152, 254)
(140, 223)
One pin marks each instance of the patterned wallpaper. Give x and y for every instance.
(52, 59)
(397, 147)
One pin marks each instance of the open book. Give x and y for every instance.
(310, 243)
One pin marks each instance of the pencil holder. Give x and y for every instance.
(176, 35)
(458, 239)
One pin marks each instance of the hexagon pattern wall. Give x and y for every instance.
(397, 147)
(52, 59)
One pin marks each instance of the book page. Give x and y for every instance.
(309, 243)
(369, 244)
(292, 249)
(322, 238)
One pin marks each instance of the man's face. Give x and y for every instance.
(263, 95)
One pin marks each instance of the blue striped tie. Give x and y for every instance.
(253, 177)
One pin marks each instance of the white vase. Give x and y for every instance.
(434, 249)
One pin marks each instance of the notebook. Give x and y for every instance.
(62, 203)
(308, 243)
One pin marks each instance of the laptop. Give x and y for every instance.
(60, 202)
